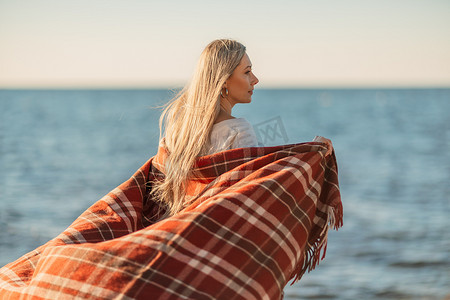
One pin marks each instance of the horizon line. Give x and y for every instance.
(264, 87)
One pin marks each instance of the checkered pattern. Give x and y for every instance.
(255, 219)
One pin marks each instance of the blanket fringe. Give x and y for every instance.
(313, 252)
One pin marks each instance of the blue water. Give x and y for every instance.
(60, 151)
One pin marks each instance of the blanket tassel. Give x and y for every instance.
(312, 254)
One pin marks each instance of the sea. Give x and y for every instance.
(62, 150)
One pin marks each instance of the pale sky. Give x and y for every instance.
(296, 43)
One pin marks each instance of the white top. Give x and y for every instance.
(232, 133)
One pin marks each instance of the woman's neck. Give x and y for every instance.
(226, 105)
(223, 115)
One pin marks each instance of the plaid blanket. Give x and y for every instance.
(255, 219)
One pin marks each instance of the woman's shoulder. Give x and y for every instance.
(232, 133)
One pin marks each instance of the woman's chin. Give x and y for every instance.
(247, 99)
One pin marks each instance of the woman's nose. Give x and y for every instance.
(255, 80)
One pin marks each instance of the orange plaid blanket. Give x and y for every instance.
(256, 218)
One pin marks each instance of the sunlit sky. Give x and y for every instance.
(297, 43)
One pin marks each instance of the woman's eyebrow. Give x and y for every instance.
(248, 67)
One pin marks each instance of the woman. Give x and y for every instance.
(198, 121)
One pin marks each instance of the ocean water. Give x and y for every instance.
(62, 150)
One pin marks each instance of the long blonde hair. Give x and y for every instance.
(187, 120)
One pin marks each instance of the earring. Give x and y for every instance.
(226, 93)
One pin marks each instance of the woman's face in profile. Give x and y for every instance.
(241, 83)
